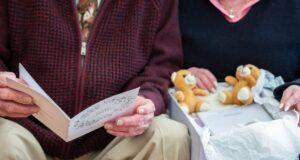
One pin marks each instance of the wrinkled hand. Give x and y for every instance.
(14, 103)
(291, 98)
(205, 79)
(134, 124)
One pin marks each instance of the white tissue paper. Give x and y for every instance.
(273, 140)
(266, 83)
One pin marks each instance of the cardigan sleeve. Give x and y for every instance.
(166, 57)
(280, 89)
(4, 50)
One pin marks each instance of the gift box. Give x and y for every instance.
(272, 134)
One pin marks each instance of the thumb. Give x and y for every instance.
(138, 102)
(22, 81)
(4, 75)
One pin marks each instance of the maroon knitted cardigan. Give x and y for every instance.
(133, 43)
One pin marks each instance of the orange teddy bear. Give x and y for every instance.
(241, 94)
(186, 92)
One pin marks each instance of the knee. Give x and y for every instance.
(172, 137)
(10, 144)
(7, 128)
(171, 132)
(11, 137)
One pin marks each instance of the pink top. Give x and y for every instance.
(234, 10)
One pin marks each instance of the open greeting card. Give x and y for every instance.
(90, 119)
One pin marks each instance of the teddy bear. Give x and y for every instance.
(187, 92)
(240, 94)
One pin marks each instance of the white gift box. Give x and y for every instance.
(274, 138)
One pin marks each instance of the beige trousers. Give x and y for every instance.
(165, 139)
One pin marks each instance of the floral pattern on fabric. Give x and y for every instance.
(87, 11)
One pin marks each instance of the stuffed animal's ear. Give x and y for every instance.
(173, 76)
(256, 73)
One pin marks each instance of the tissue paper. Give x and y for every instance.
(276, 140)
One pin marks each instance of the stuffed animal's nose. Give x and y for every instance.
(245, 71)
(190, 79)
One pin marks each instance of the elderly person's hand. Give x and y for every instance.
(291, 98)
(14, 103)
(134, 124)
(205, 79)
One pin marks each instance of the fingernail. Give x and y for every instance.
(108, 126)
(109, 131)
(281, 105)
(216, 84)
(119, 123)
(213, 90)
(286, 108)
(141, 110)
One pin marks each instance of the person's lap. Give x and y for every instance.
(164, 139)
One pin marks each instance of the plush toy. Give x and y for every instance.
(241, 94)
(186, 92)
